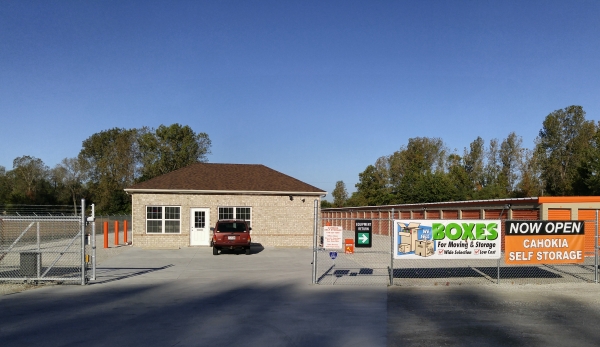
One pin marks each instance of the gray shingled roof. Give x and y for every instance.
(225, 177)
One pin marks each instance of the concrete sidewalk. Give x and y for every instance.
(189, 297)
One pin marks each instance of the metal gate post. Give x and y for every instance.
(92, 219)
(391, 221)
(38, 256)
(82, 242)
(315, 233)
(596, 251)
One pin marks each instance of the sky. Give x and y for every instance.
(317, 90)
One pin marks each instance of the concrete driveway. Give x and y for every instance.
(189, 297)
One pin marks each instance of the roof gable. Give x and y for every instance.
(211, 177)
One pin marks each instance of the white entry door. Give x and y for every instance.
(200, 227)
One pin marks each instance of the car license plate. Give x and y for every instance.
(231, 237)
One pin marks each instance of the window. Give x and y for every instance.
(244, 213)
(163, 219)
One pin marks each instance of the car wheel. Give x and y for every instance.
(248, 251)
(215, 251)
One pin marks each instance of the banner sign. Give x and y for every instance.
(544, 242)
(447, 239)
(332, 237)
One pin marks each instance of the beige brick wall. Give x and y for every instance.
(276, 220)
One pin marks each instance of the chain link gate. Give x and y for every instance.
(36, 248)
(377, 266)
(359, 265)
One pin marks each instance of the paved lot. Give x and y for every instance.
(189, 297)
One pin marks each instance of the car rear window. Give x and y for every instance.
(231, 227)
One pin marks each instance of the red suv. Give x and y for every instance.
(231, 234)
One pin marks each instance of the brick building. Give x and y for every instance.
(535, 208)
(177, 209)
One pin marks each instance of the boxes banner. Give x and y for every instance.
(544, 242)
(447, 239)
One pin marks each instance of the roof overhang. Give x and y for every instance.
(230, 192)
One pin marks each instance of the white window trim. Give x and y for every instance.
(164, 219)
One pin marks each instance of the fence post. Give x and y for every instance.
(392, 248)
(315, 231)
(82, 242)
(596, 252)
(39, 254)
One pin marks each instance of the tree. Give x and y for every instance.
(109, 159)
(473, 160)
(29, 174)
(530, 183)
(561, 147)
(5, 186)
(587, 181)
(340, 195)
(370, 189)
(422, 159)
(326, 204)
(459, 179)
(169, 148)
(70, 173)
(510, 160)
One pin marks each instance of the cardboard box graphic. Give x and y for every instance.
(409, 234)
(424, 248)
(404, 248)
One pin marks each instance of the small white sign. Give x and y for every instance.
(332, 237)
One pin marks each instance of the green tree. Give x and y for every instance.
(370, 190)
(340, 194)
(473, 161)
(417, 169)
(326, 204)
(587, 181)
(530, 183)
(169, 148)
(458, 179)
(70, 175)
(109, 159)
(29, 175)
(511, 156)
(5, 186)
(561, 147)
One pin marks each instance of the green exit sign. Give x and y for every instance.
(363, 233)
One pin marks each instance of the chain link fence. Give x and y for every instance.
(38, 244)
(376, 265)
(55, 243)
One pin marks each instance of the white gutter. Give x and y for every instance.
(245, 192)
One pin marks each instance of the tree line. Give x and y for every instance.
(108, 162)
(565, 161)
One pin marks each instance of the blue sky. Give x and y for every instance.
(315, 89)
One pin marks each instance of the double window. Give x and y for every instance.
(244, 213)
(163, 219)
